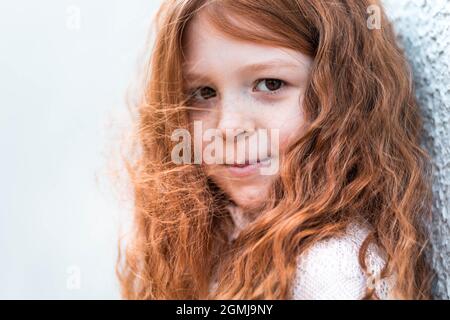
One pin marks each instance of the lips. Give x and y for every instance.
(247, 162)
(239, 165)
(246, 169)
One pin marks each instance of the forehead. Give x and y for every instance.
(205, 47)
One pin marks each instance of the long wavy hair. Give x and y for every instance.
(359, 160)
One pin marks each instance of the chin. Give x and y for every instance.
(249, 197)
(246, 192)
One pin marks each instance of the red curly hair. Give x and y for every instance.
(359, 160)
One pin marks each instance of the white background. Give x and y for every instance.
(61, 91)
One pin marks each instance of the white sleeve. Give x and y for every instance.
(330, 270)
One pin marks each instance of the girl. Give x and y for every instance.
(342, 216)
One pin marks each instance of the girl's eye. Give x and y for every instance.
(203, 93)
(269, 85)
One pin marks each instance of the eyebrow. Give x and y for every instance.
(267, 65)
(261, 66)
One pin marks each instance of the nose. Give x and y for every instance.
(234, 118)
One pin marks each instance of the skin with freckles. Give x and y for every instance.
(237, 85)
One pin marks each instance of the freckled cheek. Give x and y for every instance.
(285, 140)
(292, 130)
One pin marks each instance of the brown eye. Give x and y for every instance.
(204, 93)
(269, 85)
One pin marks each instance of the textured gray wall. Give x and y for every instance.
(423, 28)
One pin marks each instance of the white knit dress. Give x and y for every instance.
(330, 268)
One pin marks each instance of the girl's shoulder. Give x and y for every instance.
(330, 268)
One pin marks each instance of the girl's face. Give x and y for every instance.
(239, 85)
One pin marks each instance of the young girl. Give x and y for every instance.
(342, 215)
